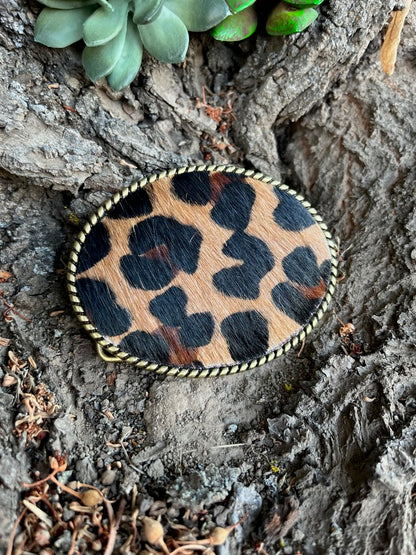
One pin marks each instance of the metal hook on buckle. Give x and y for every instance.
(102, 353)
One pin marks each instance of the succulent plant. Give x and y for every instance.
(292, 16)
(117, 31)
(287, 17)
(240, 24)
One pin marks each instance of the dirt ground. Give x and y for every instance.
(317, 448)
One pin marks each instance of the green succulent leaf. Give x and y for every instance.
(166, 38)
(71, 4)
(286, 20)
(236, 27)
(60, 28)
(239, 5)
(130, 60)
(199, 15)
(304, 3)
(145, 11)
(105, 4)
(104, 25)
(100, 61)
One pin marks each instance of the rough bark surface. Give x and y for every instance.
(339, 418)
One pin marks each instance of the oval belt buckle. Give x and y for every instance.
(202, 271)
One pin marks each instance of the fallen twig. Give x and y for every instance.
(114, 527)
(14, 530)
(388, 54)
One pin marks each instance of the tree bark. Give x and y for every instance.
(339, 417)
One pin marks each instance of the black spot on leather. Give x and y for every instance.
(101, 307)
(325, 270)
(195, 330)
(96, 246)
(247, 335)
(193, 188)
(243, 281)
(152, 267)
(290, 214)
(233, 208)
(145, 273)
(170, 307)
(134, 205)
(301, 267)
(146, 346)
(293, 303)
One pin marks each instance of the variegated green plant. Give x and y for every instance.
(117, 31)
(286, 18)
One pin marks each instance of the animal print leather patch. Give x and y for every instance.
(202, 269)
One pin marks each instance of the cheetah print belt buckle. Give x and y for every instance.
(202, 271)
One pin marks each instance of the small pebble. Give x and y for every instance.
(108, 477)
(156, 469)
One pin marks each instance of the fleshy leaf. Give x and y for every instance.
(130, 60)
(145, 11)
(166, 38)
(239, 5)
(104, 24)
(236, 27)
(71, 4)
(100, 61)
(305, 3)
(60, 28)
(199, 15)
(286, 20)
(105, 4)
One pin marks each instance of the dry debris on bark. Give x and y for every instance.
(51, 522)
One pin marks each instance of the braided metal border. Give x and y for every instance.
(119, 356)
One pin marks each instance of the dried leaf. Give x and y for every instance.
(53, 463)
(14, 359)
(346, 329)
(127, 164)
(38, 512)
(57, 312)
(8, 380)
(5, 275)
(109, 414)
(32, 363)
(218, 535)
(77, 507)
